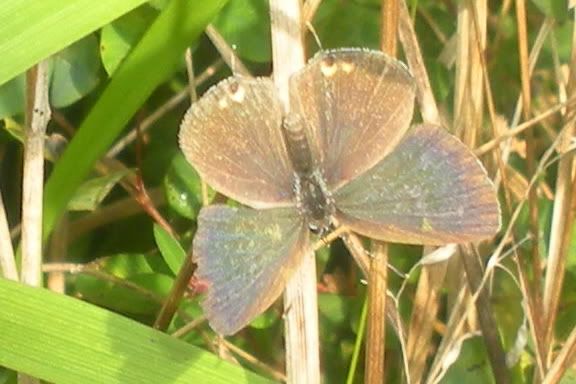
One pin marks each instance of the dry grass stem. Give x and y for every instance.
(409, 40)
(376, 327)
(530, 153)
(171, 303)
(473, 267)
(227, 52)
(33, 174)
(563, 215)
(300, 295)
(563, 361)
(168, 106)
(252, 360)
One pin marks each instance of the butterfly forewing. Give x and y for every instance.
(232, 136)
(430, 190)
(356, 104)
(246, 256)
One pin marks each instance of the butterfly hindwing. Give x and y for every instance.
(430, 190)
(356, 104)
(233, 137)
(246, 256)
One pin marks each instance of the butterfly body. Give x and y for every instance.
(344, 153)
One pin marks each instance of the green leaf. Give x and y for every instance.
(75, 72)
(569, 377)
(119, 37)
(64, 340)
(346, 23)
(32, 30)
(170, 248)
(245, 25)
(141, 295)
(553, 8)
(470, 364)
(124, 265)
(157, 55)
(12, 97)
(183, 188)
(91, 193)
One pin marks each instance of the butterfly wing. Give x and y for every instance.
(232, 137)
(356, 104)
(430, 190)
(246, 256)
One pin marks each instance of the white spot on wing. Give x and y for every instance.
(238, 95)
(328, 68)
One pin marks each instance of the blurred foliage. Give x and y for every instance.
(131, 263)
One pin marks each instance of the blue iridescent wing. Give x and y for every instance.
(430, 190)
(246, 256)
(232, 136)
(356, 105)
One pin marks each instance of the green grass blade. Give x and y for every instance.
(64, 340)
(156, 56)
(31, 30)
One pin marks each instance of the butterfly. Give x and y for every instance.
(344, 153)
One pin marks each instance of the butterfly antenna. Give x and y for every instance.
(313, 32)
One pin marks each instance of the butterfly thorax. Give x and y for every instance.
(313, 199)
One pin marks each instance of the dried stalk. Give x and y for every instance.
(563, 361)
(378, 272)
(530, 153)
(227, 52)
(562, 218)
(409, 40)
(33, 178)
(38, 115)
(424, 312)
(490, 145)
(170, 304)
(496, 354)
(300, 296)
(168, 106)
(376, 328)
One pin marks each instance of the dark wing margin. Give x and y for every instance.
(430, 190)
(357, 104)
(232, 136)
(246, 256)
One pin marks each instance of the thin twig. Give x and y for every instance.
(279, 376)
(170, 304)
(490, 145)
(227, 52)
(168, 106)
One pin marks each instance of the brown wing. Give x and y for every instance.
(246, 256)
(233, 137)
(430, 190)
(357, 104)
